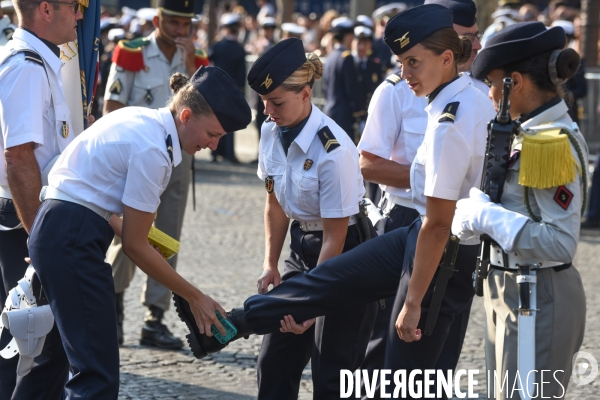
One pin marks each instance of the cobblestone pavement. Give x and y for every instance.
(222, 252)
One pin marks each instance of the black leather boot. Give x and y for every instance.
(156, 334)
(120, 315)
(201, 344)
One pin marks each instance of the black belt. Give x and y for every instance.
(556, 268)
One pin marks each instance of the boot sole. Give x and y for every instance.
(190, 322)
(152, 343)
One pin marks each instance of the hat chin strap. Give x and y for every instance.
(163, 33)
(552, 68)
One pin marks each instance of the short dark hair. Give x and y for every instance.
(25, 8)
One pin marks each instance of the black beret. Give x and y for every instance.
(410, 27)
(463, 10)
(279, 62)
(177, 8)
(514, 43)
(224, 97)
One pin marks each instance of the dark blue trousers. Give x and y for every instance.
(379, 268)
(399, 217)
(50, 369)
(336, 341)
(594, 207)
(67, 246)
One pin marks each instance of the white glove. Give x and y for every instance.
(477, 215)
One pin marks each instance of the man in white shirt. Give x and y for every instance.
(35, 125)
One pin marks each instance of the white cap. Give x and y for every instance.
(507, 12)
(389, 10)
(7, 5)
(107, 22)
(116, 34)
(342, 22)
(362, 32)
(365, 20)
(267, 22)
(567, 26)
(146, 13)
(128, 15)
(293, 28)
(229, 19)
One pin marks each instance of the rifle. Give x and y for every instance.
(501, 132)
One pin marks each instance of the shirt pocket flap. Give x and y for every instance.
(415, 125)
(61, 111)
(148, 84)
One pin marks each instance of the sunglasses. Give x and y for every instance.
(74, 4)
(472, 36)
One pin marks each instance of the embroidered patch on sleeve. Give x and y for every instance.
(563, 197)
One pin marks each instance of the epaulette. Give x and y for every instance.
(201, 58)
(449, 113)
(33, 56)
(8, 32)
(346, 53)
(329, 141)
(128, 54)
(394, 78)
(546, 159)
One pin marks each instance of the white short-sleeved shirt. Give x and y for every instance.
(395, 127)
(450, 160)
(311, 183)
(120, 160)
(28, 110)
(481, 85)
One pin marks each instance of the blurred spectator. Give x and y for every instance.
(593, 213)
(229, 55)
(310, 36)
(6, 28)
(368, 72)
(291, 29)
(506, 14)
(339, 77)
(576, 87)
(249, 34)
(266, 9)
(266, 37)
(324, 27)
(380, 48)
(8, 10)
(529, 12)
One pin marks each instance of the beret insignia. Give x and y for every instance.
(329, 141)
(449, 113)
(404, 40)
